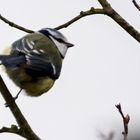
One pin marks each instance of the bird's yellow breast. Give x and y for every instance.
(38, 87)
(32, 86)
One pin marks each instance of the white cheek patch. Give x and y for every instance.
(60, 46)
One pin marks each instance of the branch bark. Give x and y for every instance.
(121, 21)
(12, 24)
(136, 5)
(82, 14)
(25, 128)
(109, 11)
(106, 10)
(126, 120)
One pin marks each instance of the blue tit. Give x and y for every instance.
(35, 60)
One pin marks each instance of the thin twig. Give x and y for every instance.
(126, 120)
(136, 4)
(12, 24)
(82, 14)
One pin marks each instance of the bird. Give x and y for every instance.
(34, 61)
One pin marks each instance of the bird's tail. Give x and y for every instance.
(11, 61)
(2, 57)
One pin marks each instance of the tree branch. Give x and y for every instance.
(13, 129)
(136, 5)
(82, 14)
(107, 10)
(12, 24)
(26, 130)
(121, 21)
(126, 120)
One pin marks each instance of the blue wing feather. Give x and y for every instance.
(36, 64)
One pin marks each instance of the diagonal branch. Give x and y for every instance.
(22, 122)
(109, 11)
(124, 24)
(136, 5)
(105, 4)
(121, 21)
(12, 24)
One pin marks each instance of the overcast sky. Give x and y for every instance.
(103, 69)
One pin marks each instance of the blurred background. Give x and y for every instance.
(103, 69)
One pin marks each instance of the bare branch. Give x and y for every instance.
(12, 24)
(13, 129)
(118, 106)
(136, 5)
(121, 21)
(25, 128)
(126, 120)
(107, 10)
(81, 15)
(105, 4)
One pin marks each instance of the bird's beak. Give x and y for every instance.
(69, 45)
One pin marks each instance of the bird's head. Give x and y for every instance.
(58, 38)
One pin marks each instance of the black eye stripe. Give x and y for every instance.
(45, 32)
(60, 40)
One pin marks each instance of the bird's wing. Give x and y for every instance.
(38, 62)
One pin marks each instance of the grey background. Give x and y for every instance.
(102, 70)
